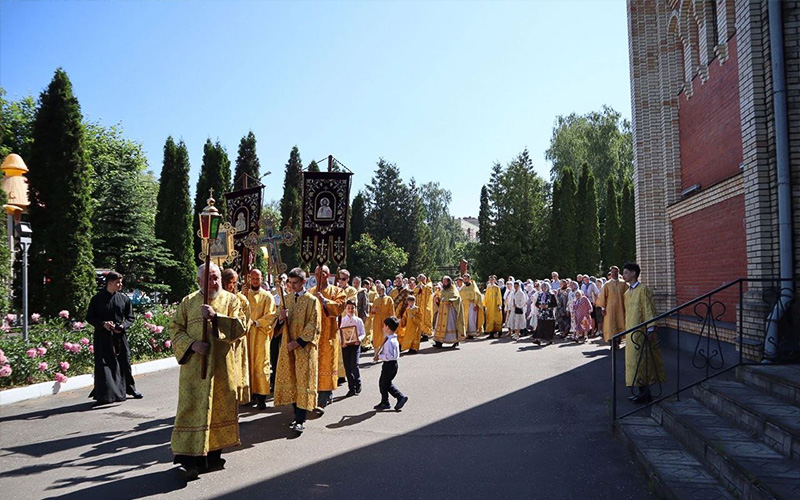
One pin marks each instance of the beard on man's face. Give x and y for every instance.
(447, 285)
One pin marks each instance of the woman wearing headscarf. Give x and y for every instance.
(583, 316)
(562, 310)
(532, 291)
(517, 302)
(545, 308)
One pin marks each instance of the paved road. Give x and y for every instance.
(493, 419)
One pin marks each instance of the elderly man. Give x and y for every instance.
(424, 294)
(450, 325)
(230, 283)
(472, 300)
(263, 316)
(331, 301)
(207, 418)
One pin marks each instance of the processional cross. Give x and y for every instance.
(269, 239)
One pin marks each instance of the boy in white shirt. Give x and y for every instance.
(389, 353)
(351, 353)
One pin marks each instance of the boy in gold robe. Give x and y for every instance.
(350, 293)
(644, 365)
(382, 308)
(612, 302)
(207, 419)
(493, 302)
(296, 379)
(424, 295)
(263, 315)
(472, 301)
(331, 303)
(411, 322)
(230, 283)
(450, 325)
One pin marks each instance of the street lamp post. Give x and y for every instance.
(25, 238)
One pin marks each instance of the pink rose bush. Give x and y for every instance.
(148, 315)
(6, 371)
(64, 366)
(42, 366)
(84, 341)
(35, 317)
(64, 314)
(77, 325)
(61, 378)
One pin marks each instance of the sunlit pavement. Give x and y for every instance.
(491, 419)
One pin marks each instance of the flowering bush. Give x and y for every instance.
(59, 348)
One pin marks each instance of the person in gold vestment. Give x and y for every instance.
(424, 293)
(612, 302)
(644, 365)
(296, 378)
(207, 418)
(450, 324)
(263, 315)
(331, 302)
(230, 283)
(350, 293)
(472, 301)
(411, 322)
(372, 294)
(493, 303)
(382, 308)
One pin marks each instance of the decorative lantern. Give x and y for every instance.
(15, 185)
(210, 219)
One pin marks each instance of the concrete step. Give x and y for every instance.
(771, 419)
(672, 471)
(745, 465)
(782, 381)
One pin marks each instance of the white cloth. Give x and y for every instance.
(516, 321)
(356, 322)
(591, 291)
(390, 351)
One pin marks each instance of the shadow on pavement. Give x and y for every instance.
(348, 420)
(43, 414)
(156, 483)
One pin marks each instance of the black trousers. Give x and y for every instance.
(274, 351)
(300, 414)
(350, 355)
(388, 373)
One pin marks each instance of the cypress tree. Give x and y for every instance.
(215, 173)
(568, 221)
(588, 250)
(358, 217)
(627, 211)
(291, 208)
(312, 167)
(174, 220)
(420, 258)
(612, 234)
(387, 196)
(62, 272)
(246, 163)
(484, 234)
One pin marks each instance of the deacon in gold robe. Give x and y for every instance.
(493, 302)
(382, 308)
(299, 324)
(411, 322)
(207, 419)
(612, 302)
(263, 314)
(424, 295)
(644, 365)
(472, 301)
(331, 303)
(372, 294)
(450, 325)
(230, 283)
(350, 293)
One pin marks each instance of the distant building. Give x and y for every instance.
(470, 227)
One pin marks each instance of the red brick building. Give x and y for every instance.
(704, 131)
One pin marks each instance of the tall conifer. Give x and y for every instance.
(291, 208)
(246, 163)
(62, 272)
(627, 211)
(588, 247)
(612, 235)
(214, 173)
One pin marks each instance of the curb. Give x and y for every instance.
(79, 382)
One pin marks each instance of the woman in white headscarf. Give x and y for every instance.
(517, 302)
(532, 289)
(545, 306)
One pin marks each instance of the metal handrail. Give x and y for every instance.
(671, 313)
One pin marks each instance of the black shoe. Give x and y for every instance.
(137, 395)
(401, 403)
(424, 338)
(319, 410)
(412, 351)
(299, 428)
(642, 398)
(436, 343)
(382, 406)
(358, 391)
(455, 345)
(215, 465)
(189, 473)
(350, 394)
(262, 404)
(341, 381)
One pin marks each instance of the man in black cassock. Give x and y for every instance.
(111, 314)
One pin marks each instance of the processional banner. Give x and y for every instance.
(326, 200)
(244, 212)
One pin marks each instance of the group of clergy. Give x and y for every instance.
(238, 347)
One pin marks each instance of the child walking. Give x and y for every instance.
(389, 353)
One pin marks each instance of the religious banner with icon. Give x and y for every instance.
(326, 200)
(222, 247)
(244, 209)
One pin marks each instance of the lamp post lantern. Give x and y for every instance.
(210, 220)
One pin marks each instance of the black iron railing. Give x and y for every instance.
(714, 333)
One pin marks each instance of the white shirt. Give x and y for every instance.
(354, 320)
(390, 351)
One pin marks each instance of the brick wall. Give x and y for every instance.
(710, 126)
(710, 250)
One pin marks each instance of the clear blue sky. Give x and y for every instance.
(443, 89)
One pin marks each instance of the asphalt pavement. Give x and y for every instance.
(491, 419)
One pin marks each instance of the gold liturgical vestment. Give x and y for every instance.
(382, 308)
(208, 416)
(450, 325)
(263, 315)
(240, 354)
(612, 298)
(367, 342)
(472, 300)
(643, 362)
(412, 319)
(493, 303)
(425, 303)
(330, 347)
(296, 376)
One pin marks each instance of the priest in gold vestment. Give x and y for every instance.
(263, 315)
(644, 365)
(296, 379)
(350, 293)
(612, 302)
(411, 323)
(424, 295)
(382, 308)
(472, 301)
(493, 303)
(230, 283)
(450, 325)
(331, 304)
(207, 419)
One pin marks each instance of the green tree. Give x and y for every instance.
(215, 173)
(173, 221)
(358, 217)
(313, 167)
(564, 239)
(62, 273)
(377, 260)
(612, 232)
(444, 229)
(588, 251)
(417, 235)
(485, 242)
(627, 211)
(246, 163)
(386, 198)
(291, 207)
(16, 126)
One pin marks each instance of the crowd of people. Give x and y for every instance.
(300, 341)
